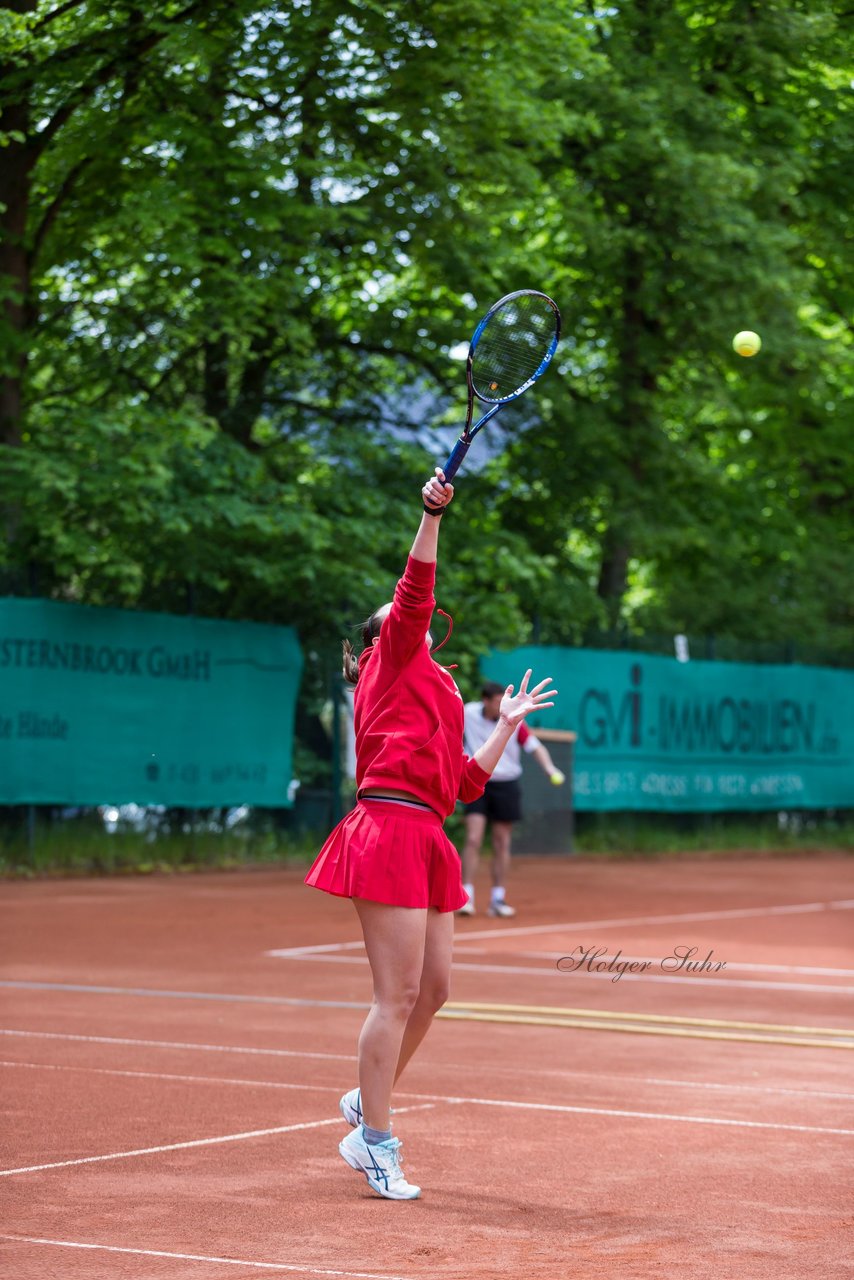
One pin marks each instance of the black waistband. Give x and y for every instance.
(408, 804)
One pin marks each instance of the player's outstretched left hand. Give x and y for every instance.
(513, 709)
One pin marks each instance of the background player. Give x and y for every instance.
(501, 802)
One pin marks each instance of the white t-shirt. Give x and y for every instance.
(477, 730)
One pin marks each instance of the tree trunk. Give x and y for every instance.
(613, 573)
(637, 389)
(19, 156)
(15, 170)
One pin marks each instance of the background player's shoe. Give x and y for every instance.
(502, 909)
(467, 909)
(350, 1107)
(380, 1164)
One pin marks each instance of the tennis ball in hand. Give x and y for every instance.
(746, 343)
(556, 778)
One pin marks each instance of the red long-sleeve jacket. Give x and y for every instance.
(408, 713)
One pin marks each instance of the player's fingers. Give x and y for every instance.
(445, 492)
(538, 687)
(523, 687)
(439, 490)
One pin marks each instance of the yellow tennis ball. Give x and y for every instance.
(746, 343)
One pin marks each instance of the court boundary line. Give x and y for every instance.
(165, 1075)
(226, 997)
(730, 913)
(429, 1100)
(731, 965)
(552, 971)
(343, 1057)
(198, 1257)
(802, 1094)
(172, 993)
(733, 913)
(169, 1146)
(180, 1044)
(639, 1115)
(533, 1020)
(194, 1142)
(620, 1016)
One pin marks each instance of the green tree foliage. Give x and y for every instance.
(714, 197)
(241, 242)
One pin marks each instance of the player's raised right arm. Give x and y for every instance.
(436, 497)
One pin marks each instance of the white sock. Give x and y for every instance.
(468, 889)
(498, 893)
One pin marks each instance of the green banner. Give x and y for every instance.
(654, 733)
(106, 706)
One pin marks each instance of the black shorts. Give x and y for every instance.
(501, 802)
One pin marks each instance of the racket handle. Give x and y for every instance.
(455, 457)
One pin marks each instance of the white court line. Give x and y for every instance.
(196, 1142)
(351, 1057)
(637, 1115)
(676, 979)
(432, 1099)
(739, 913)
(163, 993)
(325, 946)
(200, 1257)
(168, 1075)
(803, 1094)
(172, 1146)
(180, 1044)
(553, 1108)
(838, 904)
(168, 993)
(731, 965)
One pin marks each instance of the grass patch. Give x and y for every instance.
(82, 846)
(671, 835)
(85, 848)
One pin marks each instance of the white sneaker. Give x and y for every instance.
(502, 909)
(380, 1164)
(467, 909)
(350, 1107)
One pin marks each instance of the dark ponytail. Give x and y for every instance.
(369, 630)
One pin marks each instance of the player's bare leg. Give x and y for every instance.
(475, 831)
(501, 840)
(435, 983)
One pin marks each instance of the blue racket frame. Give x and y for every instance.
(461, 448)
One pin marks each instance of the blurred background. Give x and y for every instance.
(243, 250)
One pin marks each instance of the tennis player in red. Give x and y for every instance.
(390, 854)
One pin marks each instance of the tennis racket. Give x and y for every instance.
(510, 348)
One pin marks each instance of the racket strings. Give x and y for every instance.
(514, 343)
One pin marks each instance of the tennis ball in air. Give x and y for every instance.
(556, 778)
(746, 343)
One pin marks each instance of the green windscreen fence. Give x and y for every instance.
(105, 706)
(654, 733)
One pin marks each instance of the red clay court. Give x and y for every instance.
(173, 1051)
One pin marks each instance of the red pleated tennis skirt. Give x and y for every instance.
(389, 853)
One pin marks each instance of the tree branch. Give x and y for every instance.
(55, 205)
(57, 13)
(102, 75)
